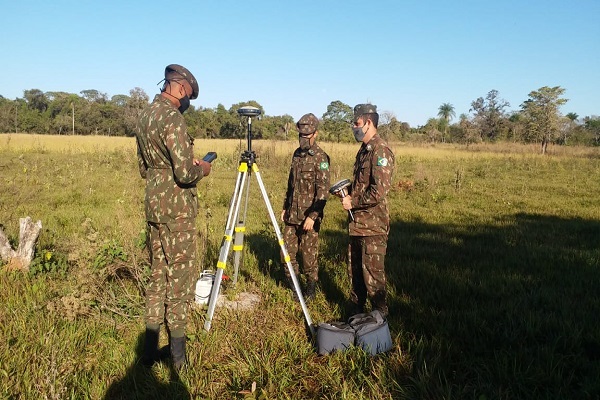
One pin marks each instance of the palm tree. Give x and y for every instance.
(572, 121)
(446, 111)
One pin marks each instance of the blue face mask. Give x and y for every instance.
(184, 104)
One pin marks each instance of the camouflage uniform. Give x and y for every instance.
(373, 169)
(165, 156)
(307, 193)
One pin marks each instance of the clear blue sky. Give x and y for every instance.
(293, 57)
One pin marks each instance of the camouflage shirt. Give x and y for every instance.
(165, 157)
(372, 181)
(308, 185)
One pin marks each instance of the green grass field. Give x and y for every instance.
(493, 268)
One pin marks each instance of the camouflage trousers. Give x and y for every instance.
(366, 255)
(170, 288)
(297, 240)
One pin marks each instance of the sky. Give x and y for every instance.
(408, 57)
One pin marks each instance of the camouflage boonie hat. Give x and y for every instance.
(307, 124)
(362, 109)
(175, 71)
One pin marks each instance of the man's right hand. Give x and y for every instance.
(347, 202)
(283, 215)
(206, 166)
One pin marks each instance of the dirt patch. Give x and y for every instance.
(243, 301)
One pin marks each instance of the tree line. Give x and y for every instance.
(539, 119)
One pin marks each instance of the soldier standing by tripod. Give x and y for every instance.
(166, 160)
(306, 195)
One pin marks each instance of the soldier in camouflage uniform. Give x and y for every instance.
(166, 161)
(306, 195)
(367, 199)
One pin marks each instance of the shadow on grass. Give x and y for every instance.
(508, 310)
(265, 248)
(142, 383)
(334, 266)
(332, 252)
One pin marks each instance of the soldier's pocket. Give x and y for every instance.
(182, 235)
(182, 226)
(376, 248)
(307, 178)
(364, 175)
(376, 254)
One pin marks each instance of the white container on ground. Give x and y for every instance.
(204, 287)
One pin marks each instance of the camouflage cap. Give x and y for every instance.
(307, 124)
(175, 71)
(362, 109)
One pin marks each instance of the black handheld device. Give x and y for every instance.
(210, 156)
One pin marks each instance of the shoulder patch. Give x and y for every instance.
(324, 165)
(382, 162)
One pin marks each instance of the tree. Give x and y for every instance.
(36, 99)
(592, 125)
(208, 124)
(570, 127)
(94, 96)
(490, 117)
(234, 125)
(277, 127)
(517, 126)
(120, 100)
(446, 112)
(337, 119)
(572, 117)
(7, 115)
(466, 131)
(432, 129)
(392, 128)
(542, 111)
(138, 100)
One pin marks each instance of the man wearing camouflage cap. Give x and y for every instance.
(166, 161)
(305, 199)
(370, 227)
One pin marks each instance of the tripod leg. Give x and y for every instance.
(238, 241)
(234, 209)
(283, 249)
(238, 247)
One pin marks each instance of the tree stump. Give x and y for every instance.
(20, 259)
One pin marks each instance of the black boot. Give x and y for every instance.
(379, 303)
(150, 355)
(310, 289)
(383, 309)
(178, 352)
(355, 308)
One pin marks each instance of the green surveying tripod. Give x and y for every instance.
(234, 231)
